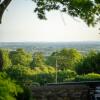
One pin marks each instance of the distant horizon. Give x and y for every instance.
(49, 47)
(45, 41)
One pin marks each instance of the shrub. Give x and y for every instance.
(8, 89)
(88, 77)
(89, 64)
(66, 75)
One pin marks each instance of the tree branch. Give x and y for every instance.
(3, 7)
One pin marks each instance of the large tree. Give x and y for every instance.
(89, 64)
(65, 58)
(38, 60)
(88, 10)
(20, 57)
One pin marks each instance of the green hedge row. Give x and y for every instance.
(88, 77)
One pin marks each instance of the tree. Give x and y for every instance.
(38, 60)
(5, 61)
(20, 56)
(20, 73)
(66, 58)
(89, 64)
(66, 75)
(88, 10)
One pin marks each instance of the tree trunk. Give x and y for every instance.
(3, 7)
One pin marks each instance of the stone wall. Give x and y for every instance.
(61, 92)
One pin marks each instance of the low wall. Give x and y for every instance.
(61, 92)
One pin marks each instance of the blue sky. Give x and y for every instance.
(20, 24)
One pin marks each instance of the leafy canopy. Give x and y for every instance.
(20, 56)
(5, 61)
(38, 59)
(88, 10)
(89, 64)
(66, 58)
(8, 89)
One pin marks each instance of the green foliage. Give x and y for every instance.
(89, 64)
(97, 1)
(5, 61)
(20, 56)
(44, 78)
(44, 69)
(26, 95)
(88, 77)
(8, 89)
(20, 73)
(41, 73)
(25, 75)
(44, 75)
(66, 75)
(88, 10)
(38, 60)
(66, 58)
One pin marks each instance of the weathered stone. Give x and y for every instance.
(63, 92)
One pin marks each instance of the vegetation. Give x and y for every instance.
(88, 77)
(20, 56)
(89, 64)
(66, 58)
(38, 60)
(66, 75)
(88, 10)
(5, 61)
(8, 88)
(20, 70)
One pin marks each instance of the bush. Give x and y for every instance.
(88, 77)
(66, 75)
(44, 78)
(8, 89)
(89, 64)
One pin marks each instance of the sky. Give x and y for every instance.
(20, 24)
